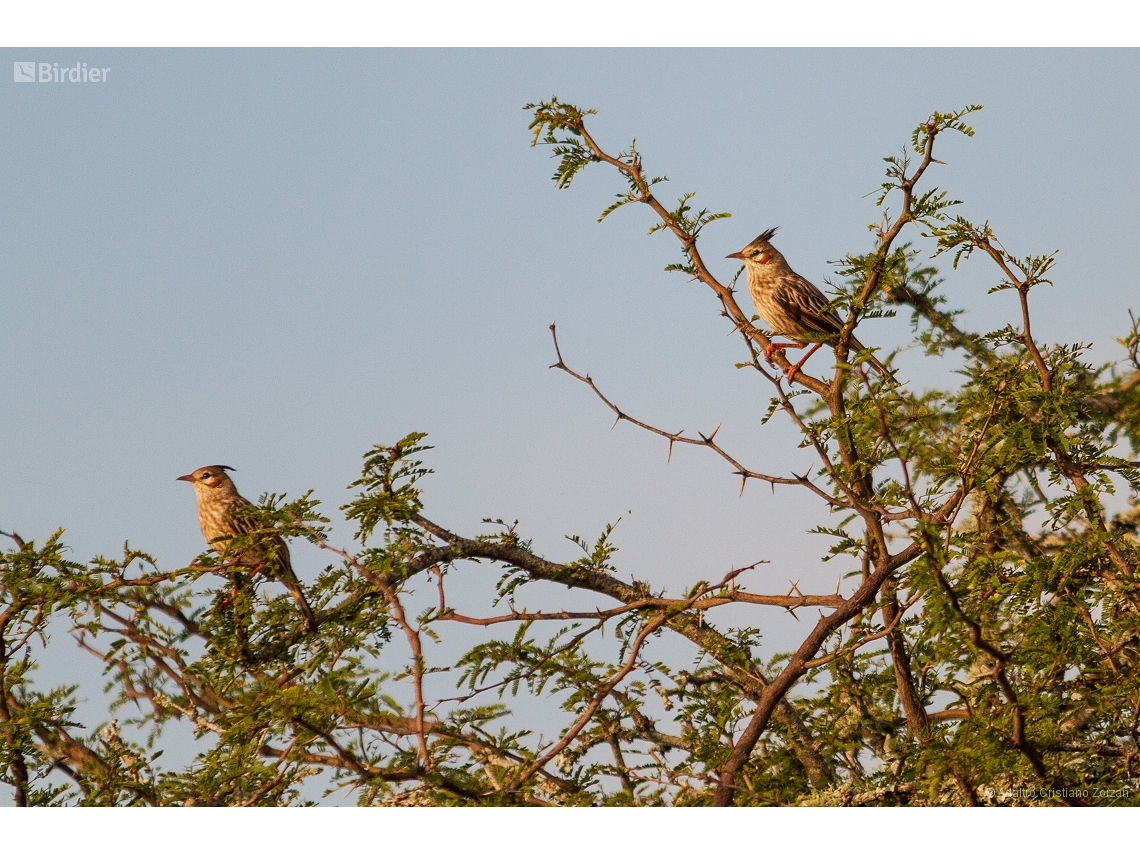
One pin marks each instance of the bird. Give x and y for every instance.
(791, 305)
(223, 514)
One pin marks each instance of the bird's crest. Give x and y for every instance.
(766, 236)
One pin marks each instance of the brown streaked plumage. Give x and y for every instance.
(222, 515)
(791, 305)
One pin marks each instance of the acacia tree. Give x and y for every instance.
(983, 651)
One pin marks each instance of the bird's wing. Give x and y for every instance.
(809, 305)
(239, 520)
(244, 523)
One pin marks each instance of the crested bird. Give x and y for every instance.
(223, 514)
(791, 305)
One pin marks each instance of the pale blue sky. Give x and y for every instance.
(273, 259)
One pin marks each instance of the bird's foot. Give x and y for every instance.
(772, 349)
(795, 369)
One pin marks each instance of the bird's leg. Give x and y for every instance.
(773, 347)
(242, 612)
(231, 597)
(794, 370)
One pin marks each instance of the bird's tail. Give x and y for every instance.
(280, 567)
(885, 372)
(303, 604)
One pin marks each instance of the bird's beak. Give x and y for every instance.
(184, 478)
(735, 255)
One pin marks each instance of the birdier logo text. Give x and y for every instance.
(52, 72)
